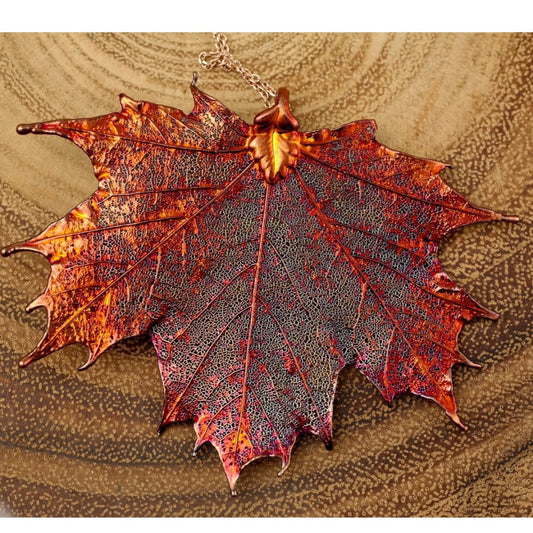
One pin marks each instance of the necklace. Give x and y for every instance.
(261, 260)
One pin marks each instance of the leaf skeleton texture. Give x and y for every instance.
(261, 260)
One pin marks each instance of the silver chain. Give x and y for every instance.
(222, 57)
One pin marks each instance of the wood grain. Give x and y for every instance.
(84, 443)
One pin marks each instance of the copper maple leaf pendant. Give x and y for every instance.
(261, 260)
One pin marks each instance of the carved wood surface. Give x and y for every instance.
(85, 443)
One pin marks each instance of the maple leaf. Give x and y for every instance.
(261, 260)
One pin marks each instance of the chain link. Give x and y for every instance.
(222, 57)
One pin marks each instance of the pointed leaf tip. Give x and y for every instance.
(469, 363)
(24, 129)
(37, 127)
(94, 354)
(284, 465)
(39, 353)
(502, 217)
(232, 473)
(492, 315)
(128, 103)
(457, 420)
(25, 361)
(85, 365)
(14, 248)
(439, 165)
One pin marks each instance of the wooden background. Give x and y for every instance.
(85, 443)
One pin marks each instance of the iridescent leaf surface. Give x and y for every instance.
(261, 260)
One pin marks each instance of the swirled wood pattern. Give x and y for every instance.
(85, 443)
